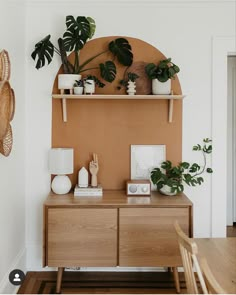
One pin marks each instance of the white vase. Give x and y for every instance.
(131, 88)
(89, 86)
(161, 87)
(66, 81)
(78, 90)
(166, 190)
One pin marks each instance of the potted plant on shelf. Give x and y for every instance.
(170, 179)
(90, 82)
(78, 87)
(161, 75)
(78, 31)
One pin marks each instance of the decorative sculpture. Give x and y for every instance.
(83, 177)
(93, 168)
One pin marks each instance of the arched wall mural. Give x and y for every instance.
(109, 127)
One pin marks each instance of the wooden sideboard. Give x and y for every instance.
(115, 230)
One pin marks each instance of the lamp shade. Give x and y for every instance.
(61, 161)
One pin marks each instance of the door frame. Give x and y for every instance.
(221, 48)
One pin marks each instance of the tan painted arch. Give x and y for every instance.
(109, 127)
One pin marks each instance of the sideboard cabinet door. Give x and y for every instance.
(147, 236)
(81, 237)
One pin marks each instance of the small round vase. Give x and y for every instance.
(78, 90)
(166, 190)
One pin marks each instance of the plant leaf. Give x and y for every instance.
(209, 170)
(77, 34)
(108, 71)
(185, 165)
(166, 165)
(121, 48)
(44, 50)
(92, 26)
(150, 70)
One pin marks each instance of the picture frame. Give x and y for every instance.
(144, 158)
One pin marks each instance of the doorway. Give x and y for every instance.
(231, 140)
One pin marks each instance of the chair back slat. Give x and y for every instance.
(189, 250)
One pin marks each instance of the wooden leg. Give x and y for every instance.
(59, 279)
(176, 279)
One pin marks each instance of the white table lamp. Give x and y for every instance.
(61, 163)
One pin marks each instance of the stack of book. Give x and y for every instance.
(88, 191)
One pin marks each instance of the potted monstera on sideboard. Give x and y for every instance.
(78, 31)
(170, 179)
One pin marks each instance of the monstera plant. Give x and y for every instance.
(78, 31)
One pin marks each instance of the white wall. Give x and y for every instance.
(182, 30)
(12, 168)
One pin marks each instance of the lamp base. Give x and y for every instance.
(61, 184)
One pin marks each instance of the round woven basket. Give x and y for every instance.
(5, 107)
(6, 142)
(5, 66)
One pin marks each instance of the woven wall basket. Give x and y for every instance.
(6, 142)
(12, 106)
(5, 66)
(5, 107)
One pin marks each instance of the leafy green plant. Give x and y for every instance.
(130, 77)
(78, 31)
(184, 172)
(95, 79)
(79, 83)
(163, 71)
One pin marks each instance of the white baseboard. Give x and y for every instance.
(18, 263)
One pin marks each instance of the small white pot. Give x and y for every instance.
(89, 86)
(161, 87)
(66, 81)
(166, 190)
(78, 90)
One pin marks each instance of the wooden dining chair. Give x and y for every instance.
(212, 285)
(189, 250)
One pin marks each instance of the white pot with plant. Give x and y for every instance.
(90, 82)
(78, 87)
(67, 81)
(161, 75)
(78, 31)
(170, 179)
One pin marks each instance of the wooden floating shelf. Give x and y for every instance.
(64, 97)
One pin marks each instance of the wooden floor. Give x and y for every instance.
(231, 231)
(102, 283)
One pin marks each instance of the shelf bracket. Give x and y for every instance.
(171, 108)
(64, 110)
